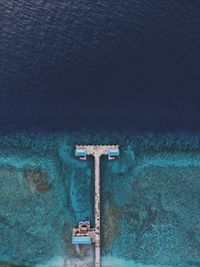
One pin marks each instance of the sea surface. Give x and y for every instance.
(99, 65)
(100, 72)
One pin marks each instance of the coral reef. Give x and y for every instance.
(162, 212)
(38, 178)
(150, 200)
(110, 225)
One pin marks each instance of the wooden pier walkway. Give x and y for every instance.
(97, 151)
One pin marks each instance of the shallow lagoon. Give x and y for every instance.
(150, 200)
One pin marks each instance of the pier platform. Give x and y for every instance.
(93, 234)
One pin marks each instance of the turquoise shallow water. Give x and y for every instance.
(150, 200)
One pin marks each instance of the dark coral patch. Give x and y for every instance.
(38, 178)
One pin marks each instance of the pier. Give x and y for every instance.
(82, 151)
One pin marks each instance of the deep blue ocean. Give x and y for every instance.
(99, 64)
(100, 72)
